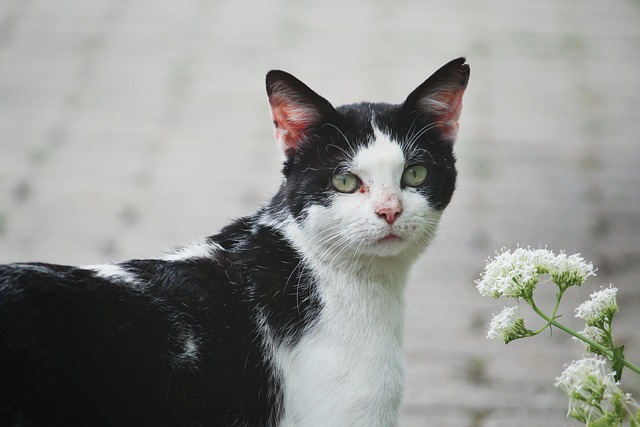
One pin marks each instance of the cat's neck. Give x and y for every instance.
(359, 336)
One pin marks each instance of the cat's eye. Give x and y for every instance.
(414, 175)
(345, 182)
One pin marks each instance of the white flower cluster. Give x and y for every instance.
(507, 325)
(570, 270)
(509, 274)
(589, 384)
(600, 308)
(588, 374)
(515, 274)
(595, 397)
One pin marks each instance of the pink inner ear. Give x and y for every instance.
(446, 107)
(292, 120)
(451, 117)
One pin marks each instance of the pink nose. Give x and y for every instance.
(389, 213)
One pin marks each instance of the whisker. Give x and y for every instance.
(353, 151)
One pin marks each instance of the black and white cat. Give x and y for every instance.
(290, 317)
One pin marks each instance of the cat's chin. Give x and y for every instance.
(390, 238)
(389, 246)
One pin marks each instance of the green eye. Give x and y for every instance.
(414, 175)
(345, 182)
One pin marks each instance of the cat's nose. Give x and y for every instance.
(389, 213)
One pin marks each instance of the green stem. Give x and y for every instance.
(608, 353)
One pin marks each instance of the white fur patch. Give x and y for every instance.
(193, 251)
(189, 344)
(115, 272)
(347, 370)
(186, 350)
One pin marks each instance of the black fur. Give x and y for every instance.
(77, 350)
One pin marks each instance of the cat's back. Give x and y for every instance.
(76, 341)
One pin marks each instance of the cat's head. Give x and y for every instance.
(367, 179)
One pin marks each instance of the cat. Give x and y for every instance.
(290, 317)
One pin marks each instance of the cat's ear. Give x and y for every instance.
(440, 97)
(295, 108)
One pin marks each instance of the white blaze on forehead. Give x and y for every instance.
(382, 162)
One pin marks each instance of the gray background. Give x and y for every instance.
(130, 126)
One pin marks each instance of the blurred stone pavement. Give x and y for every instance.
(130, 126)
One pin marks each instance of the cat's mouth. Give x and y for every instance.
(389, 238)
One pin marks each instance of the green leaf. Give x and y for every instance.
(617, 362)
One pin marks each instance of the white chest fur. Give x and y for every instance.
(347, 370)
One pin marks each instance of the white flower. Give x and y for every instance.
(570, 270)
(516, 273)
(600, 308)
(587, 374)
(507, 325)
(589, 384)
(513, 274)
(541, 259)
(593, 333)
